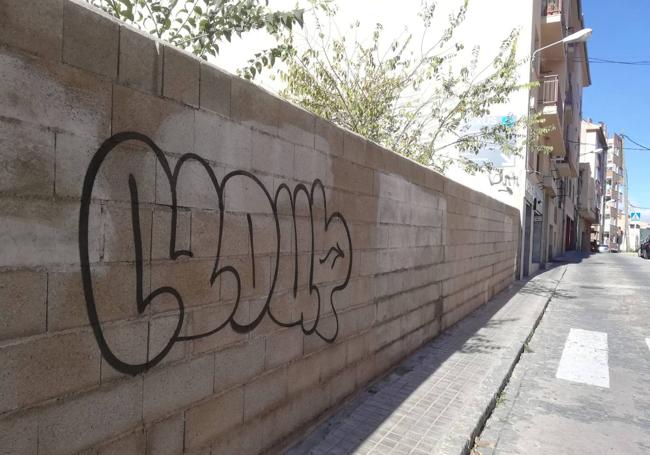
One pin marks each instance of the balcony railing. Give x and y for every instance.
(551, 7)
(551, 95)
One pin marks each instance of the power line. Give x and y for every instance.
(619, 62)
(604, 61)
(626, 148)
(643, 147)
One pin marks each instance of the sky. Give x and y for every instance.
(620, 94)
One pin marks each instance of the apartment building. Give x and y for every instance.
(588, 209)
(616, 219)
(593, 151)
(543, 186)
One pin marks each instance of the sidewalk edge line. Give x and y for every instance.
(487, 413)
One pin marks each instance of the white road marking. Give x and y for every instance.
(647, 340)
(584, 358)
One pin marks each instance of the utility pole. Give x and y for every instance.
(626, 232)
(603, 186)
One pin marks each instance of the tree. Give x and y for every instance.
(202, 26)
(422, 106)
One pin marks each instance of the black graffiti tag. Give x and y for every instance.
(335, 253)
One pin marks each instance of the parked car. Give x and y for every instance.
(603, 249)
(614, 248)
(644, 250)
(644, 238)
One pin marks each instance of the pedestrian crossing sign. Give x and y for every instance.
(635, 216)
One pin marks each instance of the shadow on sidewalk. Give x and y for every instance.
(344, 431)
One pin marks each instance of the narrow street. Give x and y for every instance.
(583, 382)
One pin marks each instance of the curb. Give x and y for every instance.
(474, 447)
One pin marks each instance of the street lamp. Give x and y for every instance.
(598, 150)
(578, 37)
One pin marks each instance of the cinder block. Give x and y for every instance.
(128, 342)
(356, 320)
(244, 440)
(161, 330)
(360, 347)
(277, 425)
(166, 437)
(177, 386)
(351, 177)
(47, 367)
(131, 444)
(341, 385)
(40, 33)
(180, 76)
(90, 39)
(309, 405)
(119, 243)
(236, 236)
(114, 289)
(253, 106)
(304, 374)
(272, 155)
(140, 61)
(216, 416)
(283, 346)
(238, 364)
(265, 393)
(328, 137)
(26, 159)
(207, 318)
(355, 148)
(375, 155)
(19, 434)
(190, 278)
(54, 95)
(85, 420)
(223, 141)
(23, 297)
(169, 124)
(205, 232)
(194, 185)
(310, 164)
(162, 222)
(45, 232)
(388, 332)
(366, 371)
(332, 359)
(215, 90)
(296, 125)
(326, 326)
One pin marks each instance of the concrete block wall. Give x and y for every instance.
(294, 294)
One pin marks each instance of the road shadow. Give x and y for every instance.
(397, 385)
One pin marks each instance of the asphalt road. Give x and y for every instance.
(582, 385)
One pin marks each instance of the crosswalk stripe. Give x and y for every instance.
(585, 358)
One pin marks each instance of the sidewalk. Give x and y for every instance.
(437, 400)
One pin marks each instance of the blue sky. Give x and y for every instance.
(620, 94)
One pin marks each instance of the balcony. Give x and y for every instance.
(565, 167)
(550, 186)
(551, 7)
(587, 202)
(614, 176)
(552, 110)
(552, 21)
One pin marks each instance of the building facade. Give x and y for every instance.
(542, 185)
(593, 152)
(615, 212)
